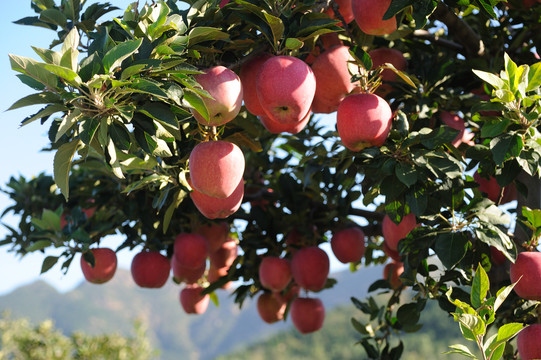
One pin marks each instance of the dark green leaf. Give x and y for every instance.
(89, 127)
(39, 245)
(120, 136)
(202, 33)
(160, 112)
(451, 248)
(34, 99)
(35, 21)
(53, 16)
(44, 113)
(506, 147)
(48, 263)
(406, 173)
(486, 5)
(114, 57)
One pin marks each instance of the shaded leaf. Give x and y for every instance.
(62, 165)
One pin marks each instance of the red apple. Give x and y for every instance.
(492, 189)
(218, 208)
(310, 268)
(248, 76)
(225, 255)
(276, 127)
(392, 272)
(386, 55)
(307, 314)
(150, 269)
(214, 274)
(393, 233)
(498, 258)
(363, 120)
(190, 250)
(274, 273)
(192, 301)
(104, 268)
(528, 344)
(286, 88)
(333, 80)
(216, 234)
(344, 8)
(187, 275)
(527, 268)
(456, 122)
(216, 168)
(348, 245)
(369, 16)
(226, 90)
(270, 308)
(393, 254)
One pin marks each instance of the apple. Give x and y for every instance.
(393, 254)
(528, 344)
(215, 273)
(498, 258)
(392, 272)
(270, 308)
(344, 8)
(395, 57)
(225, 255)
(307, 314)
(187, 275)
(218, 208)
(274, 273)
(192, 301)
(393, 233)
(527, 268)
(310, 268)
(285, 88)
(190, 250)
(248, 76)
(276, 127)
(348, 245)
(369, 16)
(104, 268)
(456, 122)
(226, 90)
(492, 189)
(150, 269)
(363, 120)
(333, 80)
(216, 234)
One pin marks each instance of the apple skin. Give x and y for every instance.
(527, 265)
(218, 208)
(393, 254)
(190, 250)
(393, 233)
(270, 308)
(105, 263)
(333, 80)
(363, 120)
(310, 268)
(285, 88)
(226, 89)
(274, 273)
(216, 168)
(348, 245)
(307, 314)
(248, 76)
(225, 255)
(344, 8)
(492, 189)
(276, 127)
(394, 269)
(150, 269)
(215, 273)
(528, 344)
(216, 234)
(395, 57)
(369, 16)
(187, 275)
(192, 301)
(456, 122)
(497, 257)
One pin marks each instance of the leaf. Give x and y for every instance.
(203, 33)
(406, 173)
(179, 196)
(534, 77)
(45, 112)
(114, 57)
(451, 248)
(29, 67)
(195, 101)
(34, 99)
(462, 350)
(490, 78)
(293, 43)
(63, 72)
(502, 294)
(62, 165)
(38, 245)
(480, 287)
(35, 21)
(533, 216)
(67, 122)
(120, 136)
(506, 147)
(147, 86)
(53, 16)
(48, 263)
(160, 112)
(509, 330)
(487, 7)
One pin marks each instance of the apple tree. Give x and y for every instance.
(227, 135)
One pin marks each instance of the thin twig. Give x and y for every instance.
(425, 35)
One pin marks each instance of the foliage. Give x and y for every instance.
(117, 97)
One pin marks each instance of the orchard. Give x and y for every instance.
(227, 141)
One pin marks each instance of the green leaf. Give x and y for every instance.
(160, 112)
(120, 136)
(45, 112)
(462, 350)
(47, 55)
(34, 99)
(39, 245)
(146, 86)
(195, 101)
(114, 57)
(72, 8)
(406, 173)
(502, 294)
(62, 165)
(48, 263)
(472, 322)
(480, 287)
(35, 21)
(67, 122)
(29, 67)
(451, 248)
(488, 8)
(495, 128)
(534, 77)
(509, 330)
(179, 197)
(506, 147)
(54, 16)
(490, 78)
(63, 72)
(203, 33)
(294, 43)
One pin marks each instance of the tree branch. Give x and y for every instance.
(425, 35)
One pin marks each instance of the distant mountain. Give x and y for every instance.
(116, 305)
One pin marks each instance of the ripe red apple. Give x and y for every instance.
(395, 57)
(216, 234)
(216, 168)
(274, 273)
(104, 268)
(310, 268)
(276, 127)
(528, 344)
(492, 189)
(225, 255)
(150, 269)
(392, 272)
(348, 245)
(270, 307)
(248, 76)
(393, 254)
(369, 16)
(344, 8)
(187, 275)
(393, 233)
(456, 122)
(527, 268)
(498, 258)
(307, 314)
(226, 90)
(333, 80)
(214, 274)
(285, 88)
(363, 120)
(192, 301)
(190, 250)
(218, 208)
